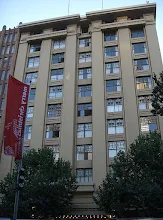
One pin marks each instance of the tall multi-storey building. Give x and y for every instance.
(9, 42)
(91, 83)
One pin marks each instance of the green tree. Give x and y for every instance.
(49, 186)
(157, 100)
(134, 185)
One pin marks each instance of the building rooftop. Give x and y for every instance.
(108, 16)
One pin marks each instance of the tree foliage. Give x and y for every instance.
(157, 100)
(134, 185)
(49, 186)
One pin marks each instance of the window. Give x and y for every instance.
(111, 51)
(0, 61)
(2, 75)
(85, 57)
(31, 78)
(5, 38)
(33, 62)
(5, 89)
(10, 38)
(137, 33)
(8, 73)
(12, 49)
(148, 124)
(84, 175)
(115, 126)
(30, 113)
(5, 62)
(144, 82)
(2, 50)
(114, 105)
(2, 104)
(15, 37)
(27, 133)
(55, 151)
(54, 110)
(84, 30)
(84, 152)
(145, 102)
(85, 91)
(53, 131)
(84, 110)
(35, 48)
(58, 58)
(110, 36)
(141, 64)
(85, 73)
(0, 88)
(10, 60)
(112, 67)
(114, 147)
(32, 94)
(85, 42)
(7, 49)
(139, 48)
(59, 44)
(84, 130)
(113, 85)
(26, 149)
(55, 92)
(56, 74)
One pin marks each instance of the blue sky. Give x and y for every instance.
(15, 11)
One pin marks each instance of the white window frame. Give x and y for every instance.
(84, 175)
(2, 75)
(31, 77)
(35, 48)
(55, 108)
(30, 111)
(84, 130)
(114, 147)
(55, 92)
(139, 45)
(83, 89)
(85, 73)
(51, 129)
(28, 132)
(58, 74)
(84, 152)
(112, 67)
(59, 44)
(145, 123)
(145, 102)
(140, 84)
(85, 57)
(115, 126)
(33, 62)
(113, 51)
(114, 105)
(86, 42)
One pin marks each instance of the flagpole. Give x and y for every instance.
(68, 6)
(102, 5)
(19, 168)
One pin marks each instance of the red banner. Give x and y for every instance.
(16, 107)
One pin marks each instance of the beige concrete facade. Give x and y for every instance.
(107, 60)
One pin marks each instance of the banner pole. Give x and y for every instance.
(19, 168)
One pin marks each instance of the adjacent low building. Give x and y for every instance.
(91, 83)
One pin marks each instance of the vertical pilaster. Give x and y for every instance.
(41, 96)
(128, 86)
(68, 133)
(98, 103)
(154, 51)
